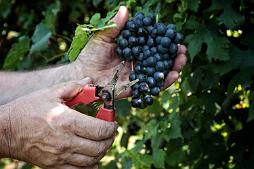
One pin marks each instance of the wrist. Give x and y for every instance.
(5, 132)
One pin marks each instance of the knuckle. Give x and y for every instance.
(100, 131)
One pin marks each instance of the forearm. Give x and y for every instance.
(4, 132)
(14, 85)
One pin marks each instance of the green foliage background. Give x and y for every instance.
(205, 120)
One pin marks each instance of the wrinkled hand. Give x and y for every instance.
(45, 132)
(98, 58)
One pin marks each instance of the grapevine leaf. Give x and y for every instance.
(194, 44)
(230, 17)
(217, 47)
(5, 8)
(95, 19)
(40, 38)
(175, 126)
(239, 60)
(175, 157)
(51, 15)
(16, 53)
(243, 78)
(159, 158)
(251, 110)
(80, 39)
(123, 107)
(193, 5)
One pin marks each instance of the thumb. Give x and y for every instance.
(68, 90)
(120, 19)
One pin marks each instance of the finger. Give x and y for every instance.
(82, 160)
(120, 19)
(92, 128)
(90, 147)
(68, 90)
(181, 49)
(180, 61)
(171, 78)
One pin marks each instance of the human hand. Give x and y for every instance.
(43, 131)
(98, 58)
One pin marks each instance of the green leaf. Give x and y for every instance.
(174, 131)
(51, 15)
(175, 157)
(16, 53)
(40, 38)
(5, 8)
(95, 19)
(251, 110)
(217, 47)
(230, 17)
(193, 5)
(194, 45)
(243, 78)
(80, 39)
(123, 107)
(159, 158)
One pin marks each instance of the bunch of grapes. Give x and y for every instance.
(152, 47)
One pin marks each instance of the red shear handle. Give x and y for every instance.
(106, 114)
(86, 96)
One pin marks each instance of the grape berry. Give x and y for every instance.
(153, 47)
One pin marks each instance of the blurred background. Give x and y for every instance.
(203, 121)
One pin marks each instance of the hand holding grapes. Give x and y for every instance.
(98, 58)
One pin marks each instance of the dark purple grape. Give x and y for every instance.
(165, 42)
(141, 40)
(173, 48)
(150, 71)
(127, 52)
(143, 87)
(135, 86)
(155, 91)
(136, 103)
(158, 76)
(158, 39)
(131, 25)
(160, 66)
(142, 105)
(162, 50)
(148, 100)
(153, 50)
(161, 28)
(132, 76)
(145, 47)
(139, 15)
(170, 33)
(151, 61)
(138, 69)
(140, 57)
(132, 40)
(119, 51)
(150, 42)
(168, 64)
(135, 94)
(147, 21)
(178, 38)
(150, 81)
(138, 22)
(147, 53)
(126, 33)
(141, 77)
(171, 26)
(158, 57)
(123, 43)
(136, 50)
(150, 29)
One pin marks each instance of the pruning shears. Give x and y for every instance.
(92, 93)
